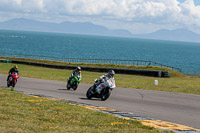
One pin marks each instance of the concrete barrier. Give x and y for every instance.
(153, 73)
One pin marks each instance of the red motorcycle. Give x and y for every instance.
(12, 79)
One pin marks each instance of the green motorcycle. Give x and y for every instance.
(73, 82)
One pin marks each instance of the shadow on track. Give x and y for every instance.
(65, 90)
(94, 99)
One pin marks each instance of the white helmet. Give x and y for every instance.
(111, 73)
(78, 68)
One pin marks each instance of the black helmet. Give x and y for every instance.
(111, 73)
(78, 68)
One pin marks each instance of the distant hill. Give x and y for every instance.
(92, 29)
(174, 35)
(65, 27)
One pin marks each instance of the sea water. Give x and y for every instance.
(184, 55)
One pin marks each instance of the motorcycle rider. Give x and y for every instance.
(76, 72)
(103, 78)
(13, 70)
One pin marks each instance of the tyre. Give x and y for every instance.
(13, 85)
(75, 86)
(89, 94)
(8, 84)
(68, 86)
(105, 94)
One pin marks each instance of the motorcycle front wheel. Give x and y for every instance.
(88, 94)
(14, 83)
(75, 86)
(105, 94)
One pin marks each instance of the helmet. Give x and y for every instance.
(111, 73)
(15, 67)
(78, 68)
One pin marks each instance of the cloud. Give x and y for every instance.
(190, 13)
(160, 12)
(22, 6)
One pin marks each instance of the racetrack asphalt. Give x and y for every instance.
(167, 106)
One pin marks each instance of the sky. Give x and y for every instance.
(137, 16)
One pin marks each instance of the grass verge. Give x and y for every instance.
(180, 84)
(172, 72)
(21, 113)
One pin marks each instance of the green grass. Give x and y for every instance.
(172, 72)
(21, 113)
(181, 84)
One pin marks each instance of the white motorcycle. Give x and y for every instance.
(101, 89)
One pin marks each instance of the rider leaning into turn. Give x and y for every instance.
(103, 78)
(13, 70)
(76, 72)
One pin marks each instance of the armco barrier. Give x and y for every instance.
(153, 73)
(91, 61)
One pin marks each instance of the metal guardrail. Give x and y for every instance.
(154, 73)
(98, 61)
